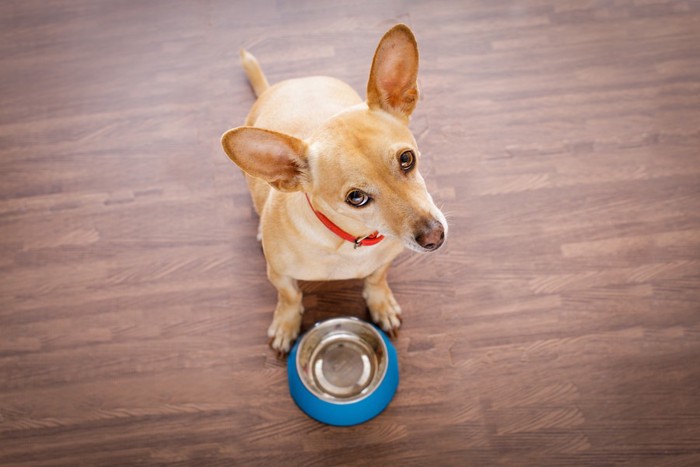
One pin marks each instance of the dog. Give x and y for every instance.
(335, 181)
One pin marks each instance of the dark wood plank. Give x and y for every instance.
(560, 325)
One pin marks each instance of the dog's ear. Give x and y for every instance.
(277, 158)
(392, 82)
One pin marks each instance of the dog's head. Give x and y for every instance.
(361, 166)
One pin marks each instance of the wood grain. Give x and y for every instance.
(560, 324)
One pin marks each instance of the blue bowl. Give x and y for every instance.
(343, 372)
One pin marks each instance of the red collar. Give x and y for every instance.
(367, 240)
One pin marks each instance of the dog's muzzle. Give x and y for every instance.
(431, 236)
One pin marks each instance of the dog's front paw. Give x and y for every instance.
(283, 332)
(384, 309)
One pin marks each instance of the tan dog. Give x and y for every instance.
(335, 181)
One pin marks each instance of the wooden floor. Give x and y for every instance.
(560, 324)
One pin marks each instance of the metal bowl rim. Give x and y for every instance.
(331, 399)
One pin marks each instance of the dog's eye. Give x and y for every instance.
(357, 198)
(407, 160)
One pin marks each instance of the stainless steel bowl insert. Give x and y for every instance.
(342, 360)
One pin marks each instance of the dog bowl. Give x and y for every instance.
(343, 372)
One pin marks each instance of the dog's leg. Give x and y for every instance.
(286, 322)
(381, 302)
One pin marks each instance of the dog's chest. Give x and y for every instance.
(345, 263)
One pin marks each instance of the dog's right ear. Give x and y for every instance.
(277, 158)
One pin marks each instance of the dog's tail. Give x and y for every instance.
(254, 72)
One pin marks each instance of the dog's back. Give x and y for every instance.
(295, 107)
(298, 106)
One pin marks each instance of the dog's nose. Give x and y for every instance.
(432, 237)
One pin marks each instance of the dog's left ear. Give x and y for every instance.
(392, 82)
(277, 158)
